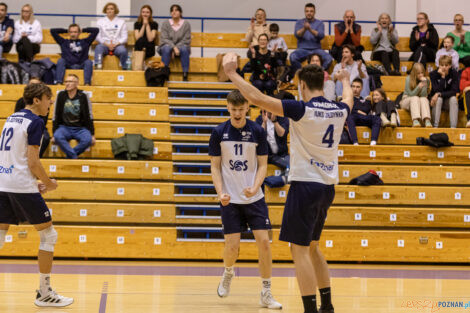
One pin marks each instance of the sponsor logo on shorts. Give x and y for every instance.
(267, 221)
(238, 165)
(6, 170)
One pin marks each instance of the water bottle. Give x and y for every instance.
(129, 63)
(98, 61)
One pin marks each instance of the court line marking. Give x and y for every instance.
(104, 298)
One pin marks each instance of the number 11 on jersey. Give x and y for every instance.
(238, 149)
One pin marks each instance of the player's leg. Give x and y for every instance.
(322, 274)
(231, 250)
(306, 278)
(7, 216)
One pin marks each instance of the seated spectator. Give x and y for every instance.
(175, 39)
(424, 40)
(465, 91)
(356, 69)
(145, 32)
(383, 107)
(384, 38)
(361, 115)
(20, 105)
(7, 27)
(277, 44)
(445, 86)
(28, 35)
(73, 119)
(415, 96)
(74, 51)
(309, 33)
(447, 49)
(264, 63)
(328, 84)
(347, 32)
(461, 40)
(112, 38)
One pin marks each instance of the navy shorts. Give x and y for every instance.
(236, 218)
(305, 212)
(16, 208)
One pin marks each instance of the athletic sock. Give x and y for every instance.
(44, 282)
(229, 269)
(266, 282)
(310, 304)
(325, 294)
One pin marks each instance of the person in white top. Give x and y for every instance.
(315, 129)
(112, 37)
(447, 48)
(27, 35)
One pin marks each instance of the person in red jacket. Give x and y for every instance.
(347, 32)
(465, 91)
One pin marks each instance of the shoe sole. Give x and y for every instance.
(56, 305)
(270, 307)
(221, 296)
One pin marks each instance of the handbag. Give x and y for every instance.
(138, 58)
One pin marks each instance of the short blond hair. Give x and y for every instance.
(116, 9)
(445, 60)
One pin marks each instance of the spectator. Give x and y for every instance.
(356, 69)
(309, 33)
(424, 40)
(175, 39)
(20, 105)
(447, 49)
(384, 108)
(264, 63)
(328, 84)
(465, 91)
(73, 119)
(384, 38)
(74, 51)
(112, 38)
(257, 27)
(7, 27)
(360, 115)
(277, 44)
(461, 40)
(415, 96)
(445, 86)
(28, 35)
(145, 32)
(347, 32)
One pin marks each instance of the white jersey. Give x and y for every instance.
(21, 129)
(114, 31)
(315, 132)
(239, 150)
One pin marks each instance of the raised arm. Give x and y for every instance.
(348, 96)
(55, 32)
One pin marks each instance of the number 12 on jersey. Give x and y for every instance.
(328, 137)
(238, 149)
(7, 134)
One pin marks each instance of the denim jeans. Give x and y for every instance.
(166, 52)
(120, 51)
(64, 134)
(87, 67)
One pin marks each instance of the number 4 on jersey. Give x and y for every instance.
(328, 137)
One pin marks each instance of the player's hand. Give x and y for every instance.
(343, 75)
(42, 188)
(230, 63)
(249, 192)
(224, 199)
(52, 185)
(273, 117)
(264, 116)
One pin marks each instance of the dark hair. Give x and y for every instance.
(37, 90)
(382, 93)
(145, 6)
(310, 57)
(74, 25)
(266, 35)
(446, 37)
(274, 27)
(116, 9)
(310, 5)
(236, 98)
(351, 49)
(178, 8)
(358, 80)
(313, 76)
(5, 5)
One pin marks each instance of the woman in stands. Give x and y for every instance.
(384, 38)
(175, 39)
(328, 84)
(145, 32)
(415, 96)
(112, 37)
(461, 40)
(27, 35)
(264, 63)
(424, 40)
(257, 27)
(383, 107)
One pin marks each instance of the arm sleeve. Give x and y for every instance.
(413, 41)
(100, 36)
(90, 125)
(165, 35)
(424, 91)
(356, 37)
(186, 41)
(455, 60)
(293, 109)
(394, 37)
(214, 144)
(454, 87)
(55, 32)
(339, 38)
(123, 34)
(408, 91)
(262, 147)
(16, 34)
(36, 37)
(284, 122)
(35, 131)
(55, 118)
(298, 26)
(434, 39)
(465, 79)
(321, 31)
(374, 36)
(93, 31)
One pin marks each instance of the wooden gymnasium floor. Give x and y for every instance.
(191, 287)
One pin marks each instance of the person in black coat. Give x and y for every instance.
(424, 40)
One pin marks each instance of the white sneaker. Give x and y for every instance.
(224, 286)
(468, 124)
(267, 301)
(373, 143)
(52, 299)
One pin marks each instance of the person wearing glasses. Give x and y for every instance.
(461, 40)
(28, 35)
(424, 40)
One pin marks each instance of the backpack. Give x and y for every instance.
(12, 73)
(156, 77)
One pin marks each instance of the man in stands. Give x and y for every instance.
(309, 33)
(347, 32)
(6, 30)
(74, 51)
